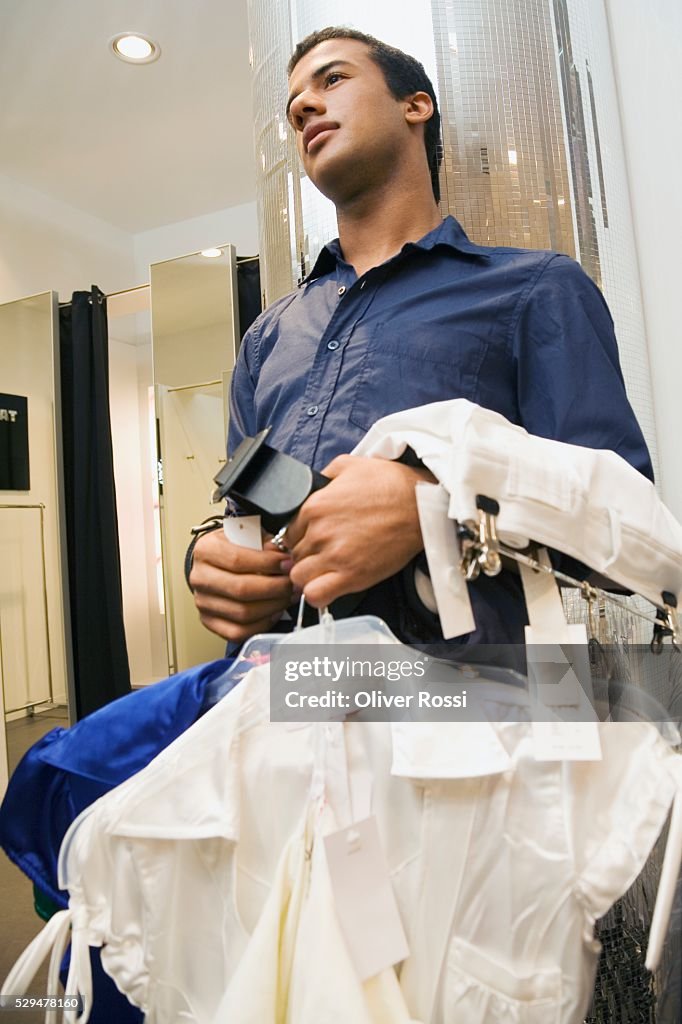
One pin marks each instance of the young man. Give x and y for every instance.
(401, 310)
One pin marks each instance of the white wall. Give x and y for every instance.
(46, 245)
(646, 41)
(237, 225)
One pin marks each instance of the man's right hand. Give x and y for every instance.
(238, 591)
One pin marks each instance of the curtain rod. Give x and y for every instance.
(122, 291)
(126, 291)
(140, 287)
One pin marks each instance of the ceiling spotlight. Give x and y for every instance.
(211, 254)
(134, 48)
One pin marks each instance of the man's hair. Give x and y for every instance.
(404, 76)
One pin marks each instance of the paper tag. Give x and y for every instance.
(560, 682)
(443, 556)
(364, 899)
(447, 750)
(244, 530)
(555, 680)
(566, 741)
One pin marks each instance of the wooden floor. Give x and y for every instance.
(18, 920)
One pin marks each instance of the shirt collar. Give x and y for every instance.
(448, 233)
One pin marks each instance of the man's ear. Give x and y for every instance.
(418, 108)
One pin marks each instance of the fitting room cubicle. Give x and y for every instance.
(35, 653)
(195, 335)
(169, 409)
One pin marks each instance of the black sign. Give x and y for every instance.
(14, 467)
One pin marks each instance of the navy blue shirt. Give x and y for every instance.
(526, 333)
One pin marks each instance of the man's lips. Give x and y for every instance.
(316, 131)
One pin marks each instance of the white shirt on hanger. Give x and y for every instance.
(183, 872)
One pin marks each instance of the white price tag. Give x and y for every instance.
(560, 683)
(244, 530)
(559, 668)
(566, 741)
(364, 899)
(447, 750)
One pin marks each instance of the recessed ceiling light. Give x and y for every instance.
(211, 254)
(134, 48)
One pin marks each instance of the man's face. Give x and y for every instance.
(349, 128)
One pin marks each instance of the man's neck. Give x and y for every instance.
(374, 227)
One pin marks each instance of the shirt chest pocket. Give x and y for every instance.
(411, 364)
(479, 990)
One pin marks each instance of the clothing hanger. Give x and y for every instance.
(256, 650)
(354, 630)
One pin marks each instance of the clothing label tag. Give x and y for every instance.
(443, 557)
(566, 741)
(364, 899)
(560, 683)
(558, 666)
(447, 750)
(244, 530)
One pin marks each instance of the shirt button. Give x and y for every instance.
(313, 410)
(332, 345)
(342, 289)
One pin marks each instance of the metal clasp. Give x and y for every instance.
(667, 624)
(479, 542)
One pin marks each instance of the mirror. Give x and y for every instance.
(195, 332)
(34, 654)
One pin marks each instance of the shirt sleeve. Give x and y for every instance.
(242, 422)
(570, 384)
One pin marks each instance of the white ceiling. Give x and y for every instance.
(138, 146)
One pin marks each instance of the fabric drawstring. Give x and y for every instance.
(79, 980)
(54, 937)
(60, 944)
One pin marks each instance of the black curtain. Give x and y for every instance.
(249, 293)
(99, 646)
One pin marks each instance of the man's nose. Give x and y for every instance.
(304, 105)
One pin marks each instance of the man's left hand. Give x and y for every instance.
(358, 530)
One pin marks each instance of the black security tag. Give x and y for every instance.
(266, 482)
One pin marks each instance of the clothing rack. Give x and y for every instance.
(482, 550)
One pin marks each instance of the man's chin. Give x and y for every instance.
(335, 179)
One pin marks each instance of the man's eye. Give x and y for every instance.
(333, 77)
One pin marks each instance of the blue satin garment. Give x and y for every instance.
(68, 769)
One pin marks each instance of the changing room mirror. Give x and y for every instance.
(195, 332)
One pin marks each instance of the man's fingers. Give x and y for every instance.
(235, 632)
(216, 550)
(241, 613)
(324, 589)
(320, 583)
(338, 465)
(246, 587)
